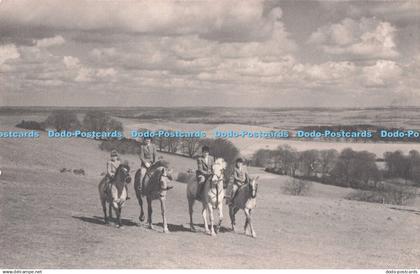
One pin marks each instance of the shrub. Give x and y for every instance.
(392, 194)
(297, 187)
(33, 125)
(62, 120)
(100, 121)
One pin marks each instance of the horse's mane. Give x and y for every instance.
(121, 166)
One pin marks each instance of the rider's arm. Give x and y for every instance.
(200, 166)
(141, 155)
(109, 169)
(154, 154)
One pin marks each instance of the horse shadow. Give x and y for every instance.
(100, 220)
(174, 228)
(221, 230)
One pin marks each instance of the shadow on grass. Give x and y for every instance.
(100, 220)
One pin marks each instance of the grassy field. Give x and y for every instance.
(50, 219)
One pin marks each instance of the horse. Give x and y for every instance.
(154, 186)
(211, 197)
(115, 195)
(245, 199)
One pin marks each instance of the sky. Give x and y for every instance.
(209, 53)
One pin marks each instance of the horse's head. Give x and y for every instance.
(123, 172)
(165, 178)
(219, 167)
(253, 187)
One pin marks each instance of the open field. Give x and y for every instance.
(50, 219)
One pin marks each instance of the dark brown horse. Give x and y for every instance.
(154, 187)
(116, 194)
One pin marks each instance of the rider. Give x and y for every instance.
(147, 157)
(111, 168)
(204, 168)
(240, 177)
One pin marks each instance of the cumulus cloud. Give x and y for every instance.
(367, 37)
(7, 52)
(85, 73)
(235, 19)
(49, 42)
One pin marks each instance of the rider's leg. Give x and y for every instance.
(126, 190)
(142, 173)
(200, 183)
(234, 191)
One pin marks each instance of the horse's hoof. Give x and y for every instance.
(208, 232)
(141, 218)
(117, 226)
(213, 234)
(166, 231)
(151, 227)
(254, 235)
(192, 229)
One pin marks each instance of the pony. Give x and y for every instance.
(115, 195)
(245, 199)
(154, 187)
(211, 197)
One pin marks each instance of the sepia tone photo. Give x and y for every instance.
(263, 134)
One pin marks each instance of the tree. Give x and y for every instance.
(100, 121)
(62, 120)
(327, 161)
(309, 161)
(191, 146)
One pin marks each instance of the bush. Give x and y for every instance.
(395, 195)
(123, 146)
(297, 187)
(33, 125)
(100, 121)
(185, 177)
(62, 120)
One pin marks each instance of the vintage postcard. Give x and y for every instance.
(209, 134)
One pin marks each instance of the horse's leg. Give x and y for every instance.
(232, 217)
(190, 210)
(250, 225)
(247, 217)
(204, 213)
(220, 209)
(140, 200)
(118, 212)
(163, 208)
(210, 209)
(110, 211)
(103, 202)
(149, 212)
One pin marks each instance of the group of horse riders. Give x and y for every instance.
(205, 163)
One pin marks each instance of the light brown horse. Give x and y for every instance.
(116, 194)
(154, 187)
(245, 199)
(211, 197)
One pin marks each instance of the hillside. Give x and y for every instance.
(50, 219)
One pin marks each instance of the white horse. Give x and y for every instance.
(211, 197)
(246, 199)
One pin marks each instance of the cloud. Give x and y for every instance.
(383, 72)
(367, 37)
(48, 42)
(7, 52)
(219, 20)
(83, 73)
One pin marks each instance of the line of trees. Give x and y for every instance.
(349, 168)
